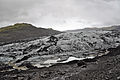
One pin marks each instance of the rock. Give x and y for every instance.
(90, 60)
(81, 63)
(28, 65)
(4, 67)
(24, 58)
(54, 49)
(114, 51)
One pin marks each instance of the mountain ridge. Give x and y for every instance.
(20, 31)
(111, 28)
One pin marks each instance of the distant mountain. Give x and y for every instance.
(111, 28)
(21, 31)
(85, 29)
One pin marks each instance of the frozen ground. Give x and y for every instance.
(70, 46)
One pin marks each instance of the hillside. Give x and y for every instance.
(23, 31)
(113, 28)
(110, 28)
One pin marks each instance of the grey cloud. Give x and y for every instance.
(60, 14)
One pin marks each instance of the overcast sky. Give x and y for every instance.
(60, 14)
